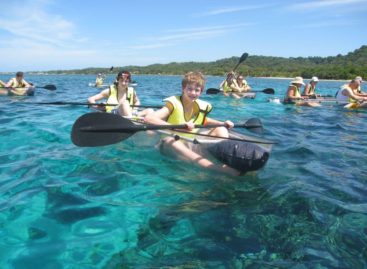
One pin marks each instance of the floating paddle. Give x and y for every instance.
(216, 91)
(100, 129)
(60, 103)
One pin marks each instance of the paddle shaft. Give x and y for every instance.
(138, 128)
(86, 104)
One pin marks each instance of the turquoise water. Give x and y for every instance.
(128, 206)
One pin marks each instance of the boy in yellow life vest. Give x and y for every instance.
(189, 110)
(122, 95)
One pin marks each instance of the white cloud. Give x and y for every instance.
(324, 4)
(225, 10)
(326, 24)
(187, 34)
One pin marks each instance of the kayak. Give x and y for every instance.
(244, 153)
(239, 154)
(319, 100)
(29, 91)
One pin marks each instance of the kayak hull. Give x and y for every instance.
(29, 91)
(242, 155)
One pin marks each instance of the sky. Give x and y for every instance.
(39, 35)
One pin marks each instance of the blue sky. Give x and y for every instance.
(61, 34)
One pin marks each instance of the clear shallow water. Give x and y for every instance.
(128, 206)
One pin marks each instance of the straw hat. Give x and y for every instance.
(298, 80)
(314, 79)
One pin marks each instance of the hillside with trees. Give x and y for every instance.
(332, 67)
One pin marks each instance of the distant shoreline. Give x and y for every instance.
(283, 78)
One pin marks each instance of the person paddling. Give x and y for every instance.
(99, 80)
(310, 88)
(189, 110)
(230, 87)
(293, 95)
(120, 93)
(18, 85)
(348, 94)
(242, 84)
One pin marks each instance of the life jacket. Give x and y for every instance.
(14, 83)
(296, 94)
(113, 97)
(99, 81)
(177, 115)
(226, 87)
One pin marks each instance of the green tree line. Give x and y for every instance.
(332, 67)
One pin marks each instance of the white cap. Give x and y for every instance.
(315, 79)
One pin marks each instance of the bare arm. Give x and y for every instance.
(103, 94)
(160, 116)
(136, 100)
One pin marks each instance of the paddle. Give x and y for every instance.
(60, 103)
(216, 91)
(100, 129)
(49, 87)
(243, 57)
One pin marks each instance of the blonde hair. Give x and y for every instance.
(195, 77)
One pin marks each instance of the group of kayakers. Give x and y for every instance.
(234, 86)
(185, 108)
(349, 93)
(15, 85)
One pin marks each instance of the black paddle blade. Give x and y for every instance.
(111, 68)
(212, 91)
(243, 57)
(81, 137)
(49, 87)
(254, 125)
(268, 91)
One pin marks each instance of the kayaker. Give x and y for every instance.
(120, 93)
(189, 110)
(99, 80)
(348, 94)
(18, 85)
(229, 86)
(242, 84)
(293, 95)
(310, 88)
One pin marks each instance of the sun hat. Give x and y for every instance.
(298, 80)
(244, 82)
(315, 79)
(359, 78)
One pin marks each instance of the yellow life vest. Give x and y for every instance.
(14, 83)
(177, 115)
(113, 97)
(99, 81)
(226, 87)
(312, 90)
